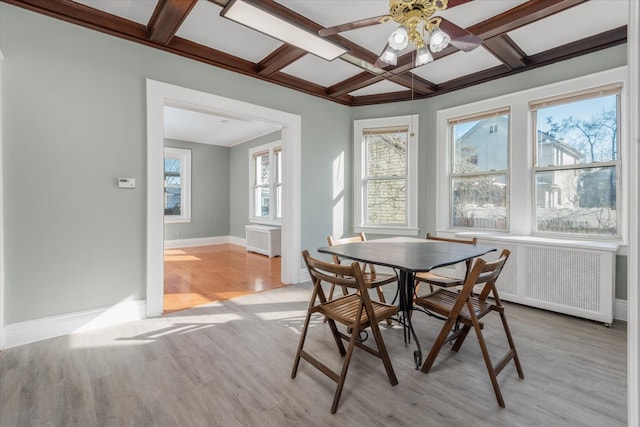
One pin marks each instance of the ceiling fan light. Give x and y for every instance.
(423, 56)
(438, 40)
(389, 56)
(399, 39)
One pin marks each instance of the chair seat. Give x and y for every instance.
(373, 280)
(442, 301)
(345, 309)
(438, 280)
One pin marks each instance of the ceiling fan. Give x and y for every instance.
(418, 25)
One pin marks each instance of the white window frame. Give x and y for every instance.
(272, 219)
(184, 156)
(616, 163)
(521, 153)
(359, 169)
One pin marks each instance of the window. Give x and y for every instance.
(385, 171)
(265, 202)
(546, 162)
(577, 162)
(177, 185)
(480, 170)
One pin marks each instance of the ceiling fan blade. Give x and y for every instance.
(454, 3)
(460, 38)
(351, 26)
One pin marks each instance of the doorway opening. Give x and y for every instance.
(160, 95)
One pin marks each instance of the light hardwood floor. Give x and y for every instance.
(203, 274)
(228, 364)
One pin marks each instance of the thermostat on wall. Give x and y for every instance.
(126, 182)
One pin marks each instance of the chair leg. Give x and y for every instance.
(384, 355)
(487, 361)
(437, 345)
(381, 299)
(303, 336)
(345, 368)
(512, 345)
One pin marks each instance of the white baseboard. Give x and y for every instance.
(620, 310)
(204, 241)
(21, 333)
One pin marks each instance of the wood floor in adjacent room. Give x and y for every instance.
(228, 363)
(204, 274)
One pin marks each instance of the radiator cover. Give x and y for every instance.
(574, 278)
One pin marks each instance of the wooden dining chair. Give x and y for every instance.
(355, 310)
(373, 279)
(467, 309)
(435, 279)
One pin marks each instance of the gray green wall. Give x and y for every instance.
(209, 192)
(74, 119)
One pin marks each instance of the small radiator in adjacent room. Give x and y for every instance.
(576, 278)
(263, 239)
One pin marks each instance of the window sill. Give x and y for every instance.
(265, 221)
(395, 231)
(180, 220)
(613, 246)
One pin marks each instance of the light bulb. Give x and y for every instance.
(399, 39)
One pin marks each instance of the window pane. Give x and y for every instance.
(261, 201)
(171, 172)
(279, 201)
(172, 196)
(584, 131)
(577, 201)
(480, 202)
(262, 169)
(481, 145)
(386, 201)
(386, 154)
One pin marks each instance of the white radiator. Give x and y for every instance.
(576, 278)
(263, 239)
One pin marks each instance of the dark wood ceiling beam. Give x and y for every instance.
(415, 83)
(505, 49)
(354, 83)
(167, 18)
(85, 16)
(521, 15)
(279, 58)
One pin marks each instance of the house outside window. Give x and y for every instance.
(480, 169)
(577, 162)
(265, 201)
(557, 151)
(177, 185)
(385, 175)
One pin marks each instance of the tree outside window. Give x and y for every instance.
(577, 163)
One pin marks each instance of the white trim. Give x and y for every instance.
(160, 94)
(197, 241)
(359, 126)
(81, 321)
(633, 260)
(520, 153)
(620, 310)
(2, 336)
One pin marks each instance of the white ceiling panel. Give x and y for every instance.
(194, 126)
(320, 71)
(385, 86)
(587, 19)
(205, 26)
(474, 12)
(139, 11)
(457, 65)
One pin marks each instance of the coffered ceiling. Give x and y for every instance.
(516, 35)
